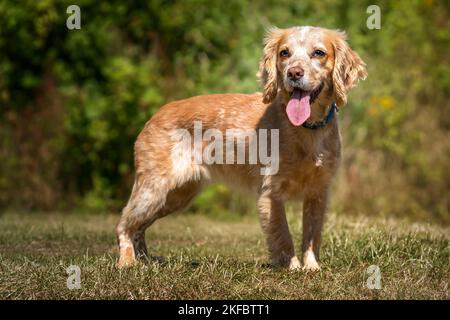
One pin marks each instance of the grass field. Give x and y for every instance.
(218, 258)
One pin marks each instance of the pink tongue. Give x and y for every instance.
(298, 108)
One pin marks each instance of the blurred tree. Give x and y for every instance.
(73, 101)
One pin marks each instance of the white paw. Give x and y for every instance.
(310, 262)
(311, 266)
(294, 264)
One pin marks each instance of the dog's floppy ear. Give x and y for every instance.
(268, 73)
(348, 68)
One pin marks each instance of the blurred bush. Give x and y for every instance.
(72, 102)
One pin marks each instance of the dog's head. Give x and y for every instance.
(306, 64)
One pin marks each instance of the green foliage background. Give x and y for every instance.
(72, 102)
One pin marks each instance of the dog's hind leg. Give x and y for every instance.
(145, 200)
(148, 203)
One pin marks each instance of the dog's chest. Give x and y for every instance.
(307, 169)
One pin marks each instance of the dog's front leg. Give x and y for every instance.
(275, 226)
(314, 207)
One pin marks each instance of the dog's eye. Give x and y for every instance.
(284, 53)
(318, 53)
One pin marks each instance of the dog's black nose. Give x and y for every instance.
(295, 73)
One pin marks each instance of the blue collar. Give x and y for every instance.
(322, 123)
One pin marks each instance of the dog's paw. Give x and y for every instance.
(157, 259)
(295, 264)
(126, 259)
(314, 266)
(123, 264)
(309, 262)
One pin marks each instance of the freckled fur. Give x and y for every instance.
(308, 158)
